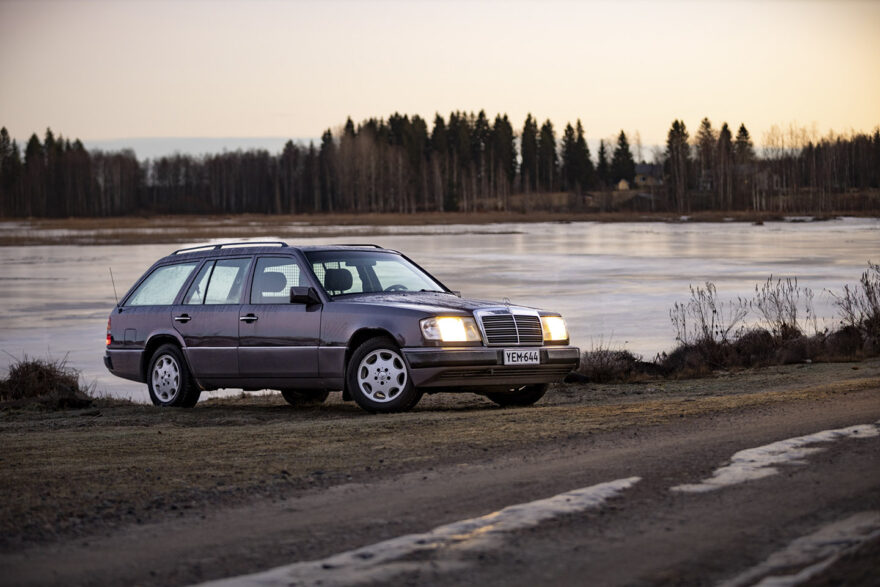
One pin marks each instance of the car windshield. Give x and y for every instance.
(344, 272)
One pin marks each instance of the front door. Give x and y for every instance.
(207, 318)
(277, 338)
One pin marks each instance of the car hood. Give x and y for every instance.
(423, 301)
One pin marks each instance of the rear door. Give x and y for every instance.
(208, 316)
(277, 338)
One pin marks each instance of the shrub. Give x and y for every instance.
(859, 306)
(602, 364)
(780, 303)
(703, 318)
(755, 347)
(50, 384)
(844, 343)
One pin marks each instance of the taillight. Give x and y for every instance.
(109, 336)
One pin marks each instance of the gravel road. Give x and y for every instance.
(644, 533)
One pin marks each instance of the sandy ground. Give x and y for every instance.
(83, 488)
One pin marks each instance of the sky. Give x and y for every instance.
(113, 71)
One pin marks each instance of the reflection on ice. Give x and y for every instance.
(613, 282)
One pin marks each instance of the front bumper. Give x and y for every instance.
(484, 367)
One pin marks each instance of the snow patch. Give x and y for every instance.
(380, 561)
(756, 463)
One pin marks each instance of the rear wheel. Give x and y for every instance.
(378, 379)
(304, 397)
(521, 396)
(169, 381)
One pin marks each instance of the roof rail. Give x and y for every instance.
(231, 246)
(360, 245)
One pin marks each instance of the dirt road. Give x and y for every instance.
(299, 486)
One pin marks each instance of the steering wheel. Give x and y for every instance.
(397, 287)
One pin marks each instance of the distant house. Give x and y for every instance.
(648, 175)
(622, 185)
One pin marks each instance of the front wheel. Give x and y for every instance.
(522, 396)
(378, 379)
(169, 381)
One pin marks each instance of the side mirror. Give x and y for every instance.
(304, 295)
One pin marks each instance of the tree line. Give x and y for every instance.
(465, 162)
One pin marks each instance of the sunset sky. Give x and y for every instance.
(110, 70)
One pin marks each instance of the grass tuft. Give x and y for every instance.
(46, 384)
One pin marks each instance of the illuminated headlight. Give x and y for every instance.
(554, 328)
(450, 329)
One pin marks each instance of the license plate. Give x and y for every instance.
(522, 357)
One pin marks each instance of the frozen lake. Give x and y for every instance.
(614, 283)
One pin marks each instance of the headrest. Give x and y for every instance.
(337, 280)
(272, 282)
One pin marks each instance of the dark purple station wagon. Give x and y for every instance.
(314, 319)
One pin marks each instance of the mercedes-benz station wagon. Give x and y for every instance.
(308, 320)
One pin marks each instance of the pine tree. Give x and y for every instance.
(743, 147)
(440, 164)
(705, 143)
(10, 173)
(34, 180)
(548, 160)
(744, 155)
(505, 147)
(583, 162)
(570, 170)
(724, 167)
(603, 170)
(327, 177)
(503, 160)
(288, 168)
(677, 165)
(479, 153)
(528, 170)
(622, 164)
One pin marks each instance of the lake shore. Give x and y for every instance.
(192, 228)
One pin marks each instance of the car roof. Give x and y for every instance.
(237, 248)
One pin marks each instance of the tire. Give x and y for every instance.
(523, 396)
(169, 380)
(378, 378)
(304, 397)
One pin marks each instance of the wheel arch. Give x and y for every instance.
(358, 338)
(154, 342)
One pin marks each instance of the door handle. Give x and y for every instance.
(183, 318)
(248, 318)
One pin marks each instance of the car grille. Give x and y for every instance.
(516, 329)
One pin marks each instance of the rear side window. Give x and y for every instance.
(226, 282)
(162, 285)
(218, 282)
(195, 295)
(273, 278)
